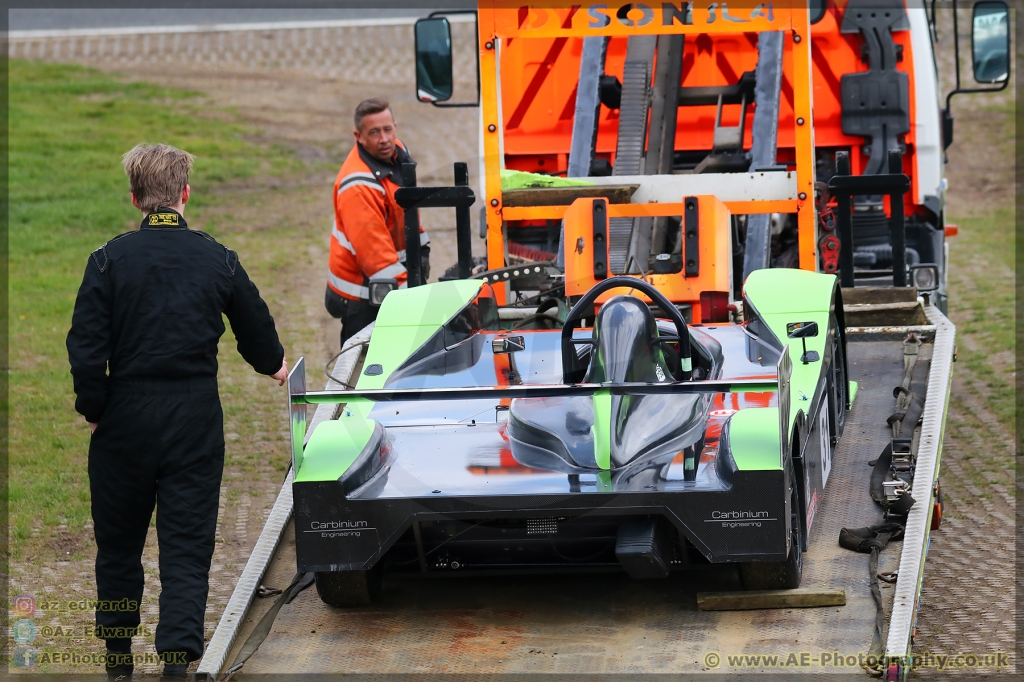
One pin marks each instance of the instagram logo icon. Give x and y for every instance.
(25, 605)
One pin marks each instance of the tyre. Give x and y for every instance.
(349, 588)
(779, 575)
(840, 386)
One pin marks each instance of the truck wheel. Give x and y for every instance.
(349, 588)
(779, 575)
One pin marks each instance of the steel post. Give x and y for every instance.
(412, 229)
(764, 143)
(897, 224)
(844, 224)
(463, 229)
(588, 107)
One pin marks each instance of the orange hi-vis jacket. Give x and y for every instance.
(368, 237)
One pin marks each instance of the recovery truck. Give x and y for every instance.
(712, 388)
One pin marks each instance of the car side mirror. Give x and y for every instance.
(804, 331)
(508, 344)
(379, 288)
(434, 81)
(990, 41)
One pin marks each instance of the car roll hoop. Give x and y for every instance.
(572, 373)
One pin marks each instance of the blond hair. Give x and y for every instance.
(157, 174)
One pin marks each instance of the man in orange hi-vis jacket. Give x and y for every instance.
(368, 237)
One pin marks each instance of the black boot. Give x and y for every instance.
(119, 665)
(174, 671)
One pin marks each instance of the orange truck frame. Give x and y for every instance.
(529, 65)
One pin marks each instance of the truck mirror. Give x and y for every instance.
(990, 41)
(802, 330)
(434, 82)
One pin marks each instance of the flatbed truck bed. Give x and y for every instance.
(592, 623)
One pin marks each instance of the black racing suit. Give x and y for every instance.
(143, 352)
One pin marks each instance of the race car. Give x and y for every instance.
(627, 440)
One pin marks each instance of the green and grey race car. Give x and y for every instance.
(635, 443)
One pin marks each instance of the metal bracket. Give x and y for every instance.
(876, 103)
(600, 240)
(844, 187)
(460, 197)
(691, 232)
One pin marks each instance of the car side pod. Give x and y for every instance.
(644, 547)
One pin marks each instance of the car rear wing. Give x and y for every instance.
(299, 398)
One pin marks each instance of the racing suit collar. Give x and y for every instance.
(164, 218)
(381, 170)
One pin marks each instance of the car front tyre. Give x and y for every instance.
(349, 588)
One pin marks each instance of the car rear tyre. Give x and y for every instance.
(779, 575)
(840, 386)
(349, 588)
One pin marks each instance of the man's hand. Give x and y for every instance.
(92, 426)
(282, 374)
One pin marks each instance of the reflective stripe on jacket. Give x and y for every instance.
(368, 236)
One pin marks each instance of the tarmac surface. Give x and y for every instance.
(248, 11)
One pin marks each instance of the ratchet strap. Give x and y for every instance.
(300, 582)
(873, 539)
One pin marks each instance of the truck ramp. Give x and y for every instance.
(608, 623)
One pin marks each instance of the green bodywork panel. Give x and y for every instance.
(408, 318)
(853, 392)
(784, 295)
(335, 444)
(602, 429)
(754, 439)
(785, 290)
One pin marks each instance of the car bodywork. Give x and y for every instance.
(451, 453)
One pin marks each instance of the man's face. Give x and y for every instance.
(377, 135)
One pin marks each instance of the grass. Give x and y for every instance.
(982, 266)
(983, 411)
(981, 431)
(68, 195)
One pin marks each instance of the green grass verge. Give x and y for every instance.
(980, 432)
(68, 195)
(982, 306)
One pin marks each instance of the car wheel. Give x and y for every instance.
(349, 588)
(779, 575)
(840, 386)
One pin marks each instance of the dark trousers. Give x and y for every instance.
(162, 443)
(354, 315)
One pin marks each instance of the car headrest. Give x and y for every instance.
(626, 347)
